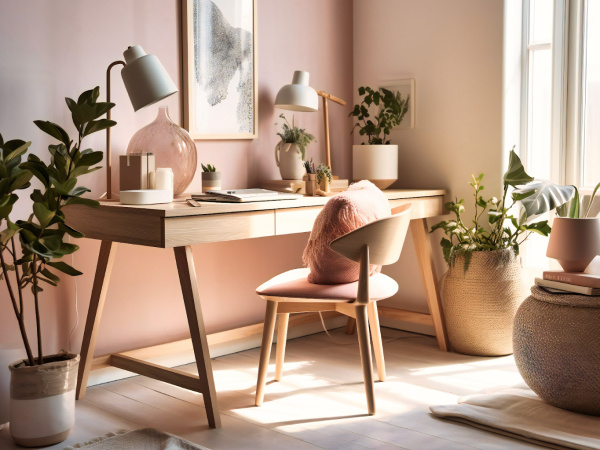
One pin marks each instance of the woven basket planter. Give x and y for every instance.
(480, 303)
(557, 349)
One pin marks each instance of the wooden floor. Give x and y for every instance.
(320, 402)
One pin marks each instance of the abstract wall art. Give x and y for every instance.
(219, 68)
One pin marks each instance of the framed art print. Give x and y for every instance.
(406, 87)
(219, 69)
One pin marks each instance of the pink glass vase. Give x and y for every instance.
(172, 147)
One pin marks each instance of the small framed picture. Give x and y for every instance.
(406, 87)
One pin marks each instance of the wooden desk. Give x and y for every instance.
(179, 226)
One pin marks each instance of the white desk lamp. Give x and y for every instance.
(299, 96)
(146, 81)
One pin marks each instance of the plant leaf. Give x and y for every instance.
(546, 196)
(516, 175)
(65, 268)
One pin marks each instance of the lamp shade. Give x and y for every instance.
(298, 96)
(145, 78)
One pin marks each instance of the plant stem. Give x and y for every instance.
(19, 288)
(37, 311)
(16, 309)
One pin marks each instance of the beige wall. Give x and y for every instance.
(453, 49)
(56, 48)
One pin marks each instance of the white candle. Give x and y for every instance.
(163, 179)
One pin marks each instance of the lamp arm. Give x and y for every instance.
(108, 115)
(333, 98)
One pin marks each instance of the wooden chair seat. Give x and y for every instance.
(379, 242)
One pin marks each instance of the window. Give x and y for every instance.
(560, 126)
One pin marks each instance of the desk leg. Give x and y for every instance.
(103, 270)
(418, 228)
(191, 298)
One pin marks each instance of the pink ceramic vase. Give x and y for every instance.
(172, 147)
(574, 242)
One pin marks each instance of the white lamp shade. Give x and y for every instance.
(298, 96)
(145, 78)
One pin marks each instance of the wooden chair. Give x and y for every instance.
(379, 242)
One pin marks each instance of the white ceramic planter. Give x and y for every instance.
(42, 401)
(376, 163)
(289, 160)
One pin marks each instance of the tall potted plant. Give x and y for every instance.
(484, 285)
(377, 160)
(43, 386)
(290, 151)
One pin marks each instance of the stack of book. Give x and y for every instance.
(561, 282)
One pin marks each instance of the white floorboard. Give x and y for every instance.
(320, 402)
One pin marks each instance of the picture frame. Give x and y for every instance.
(406, 87)
(220, 91)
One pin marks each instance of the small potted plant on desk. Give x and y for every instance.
(324, 177)
(377, 160)
(484, 284)
(42, 404)
(211, 179)
(290, 151)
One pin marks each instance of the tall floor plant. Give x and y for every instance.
(31, 249)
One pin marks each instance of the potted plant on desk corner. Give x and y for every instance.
(290, 151)
(42, 400)
(377, 160)
(211, 179)
(484, 284)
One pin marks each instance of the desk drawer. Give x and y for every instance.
(191, 230)
(296, 220)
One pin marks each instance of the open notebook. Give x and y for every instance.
(243, 195)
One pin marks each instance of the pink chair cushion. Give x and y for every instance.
(294, 284)
(360, 204)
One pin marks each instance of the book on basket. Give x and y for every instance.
(561, 287)
(578, 278)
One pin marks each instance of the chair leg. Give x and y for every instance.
(362, 326)
(351, 325)
(282, 328)
(376, 336)
(265, 350)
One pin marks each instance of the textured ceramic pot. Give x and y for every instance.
(289, 160)
(42, 401)
(480, 303)
(557, 349)
(376, 163)
(574, 242)
(172, 147)
(211, 181)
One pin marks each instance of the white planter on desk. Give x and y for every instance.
(376, 163)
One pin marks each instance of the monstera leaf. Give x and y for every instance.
(540, 196)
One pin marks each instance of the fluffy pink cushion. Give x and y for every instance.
(360, 204)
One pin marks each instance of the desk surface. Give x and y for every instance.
(179, 224)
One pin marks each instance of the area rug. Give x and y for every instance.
(519, 413)
(144, 439)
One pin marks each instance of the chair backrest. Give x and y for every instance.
(384, 237)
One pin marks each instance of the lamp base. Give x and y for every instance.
(146, 197)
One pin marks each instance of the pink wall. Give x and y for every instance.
(453, 50)
(56, 48)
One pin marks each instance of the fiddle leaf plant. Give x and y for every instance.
(391, 111)
(510, 220)
(41, 236)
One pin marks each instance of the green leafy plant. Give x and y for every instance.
(390, 113)
(323, 171)
(36, 258)
(574, 208)
(503, 229)
(208, 168)
(291, 134)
